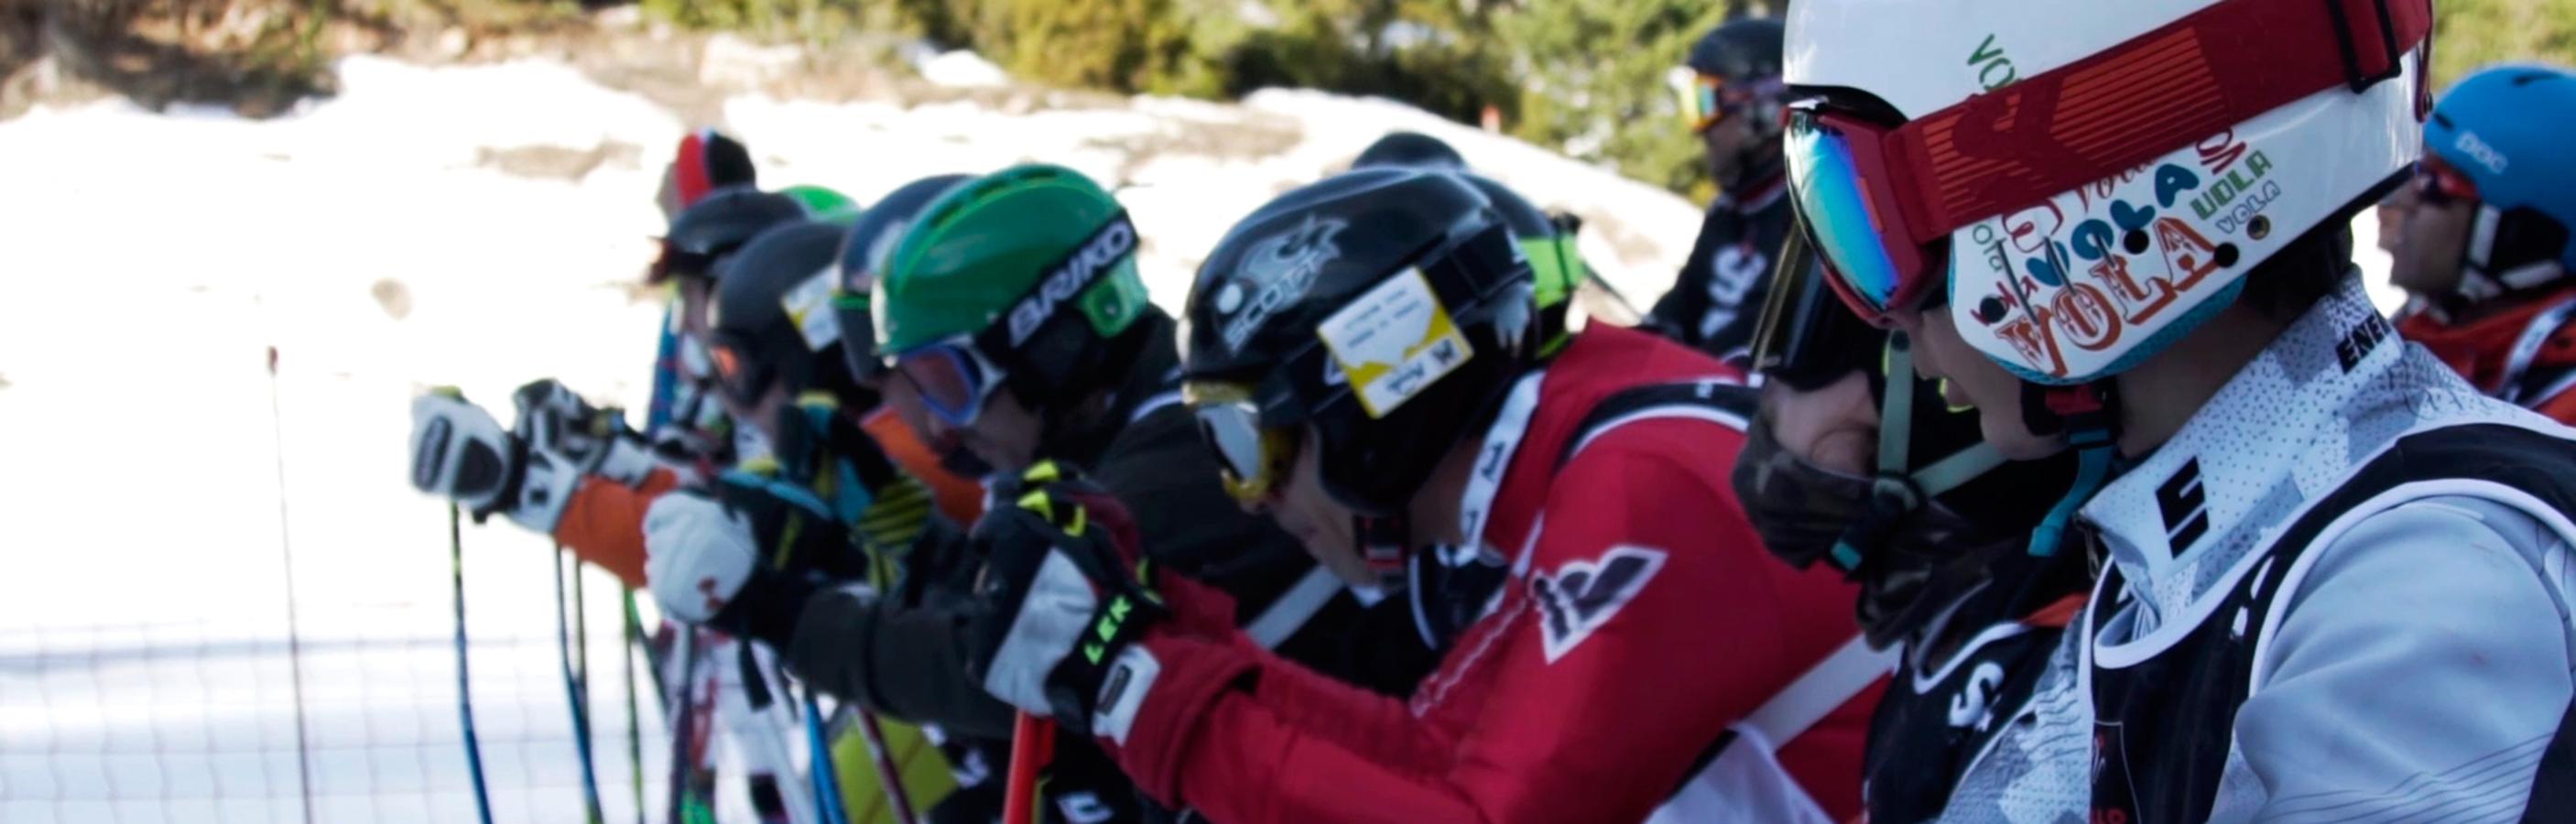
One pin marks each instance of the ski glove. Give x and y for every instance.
(596, 441)
(744, 556)
(1057, 601)
(458, 451)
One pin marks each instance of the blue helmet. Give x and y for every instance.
(2505, 130)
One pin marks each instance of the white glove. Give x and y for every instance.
(459, 452)
(595, 441)
(697, 554)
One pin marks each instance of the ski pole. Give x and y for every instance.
(580, 640)
(760, 726)
(897, 799)
(464, 689)
(634, 712)
(294, 643)
(827, 778)
(1032, 746)
(573, 690)
(684, 723)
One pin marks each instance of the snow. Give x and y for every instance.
(961, 69)
(377, 242)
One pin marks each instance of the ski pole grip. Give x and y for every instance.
(1032, 746)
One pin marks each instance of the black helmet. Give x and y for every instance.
(863, 253)
(1387, 307)
(772, 323)
(1740, 49)
(1413, 149)
(1738, 78)
(718, 224)
(1549, 245)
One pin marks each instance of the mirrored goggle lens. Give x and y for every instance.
(741, 377)
(950, 381)
(2437, 182)
(1248, 456)
(1230, 429)
(1833, 200)
(1703, 102)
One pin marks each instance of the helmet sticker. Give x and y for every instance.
(1097, 256)
(1394, 341)
(809, 305)
(1282, 267)
(2063, 284)
(1994, 68)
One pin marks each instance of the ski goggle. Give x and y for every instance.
(1884, 236)
(1805, 337)
(952, 378)
(1707, 100)
(1846, 200)
(741, 375)
(674, 261)
(2436, 182)
(1252, 460)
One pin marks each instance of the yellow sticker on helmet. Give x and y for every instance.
(1394, 341)
(809, 306)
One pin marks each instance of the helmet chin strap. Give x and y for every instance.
(2089, 416)
(1382, 543)
(1895, 491)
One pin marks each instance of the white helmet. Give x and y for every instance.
(2097, 178)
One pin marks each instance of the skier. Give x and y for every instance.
(769, 325)
(706, 161)
(1037, 343)
(2332, 585)
(1045, 348)
(1732, 99)
(2485, 253)
(1348, 343)
(824, 509)
(1856, 463)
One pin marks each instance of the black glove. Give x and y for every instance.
(1058, 599)
(594, 440)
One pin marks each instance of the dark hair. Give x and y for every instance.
(2293, 279)
(2283, 287)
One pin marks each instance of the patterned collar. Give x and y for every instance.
(2325, 396)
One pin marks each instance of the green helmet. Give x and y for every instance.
(825, 205)
(1015, 253)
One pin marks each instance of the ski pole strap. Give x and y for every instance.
(1827, 685)
(1293, 608)
(1738, 779)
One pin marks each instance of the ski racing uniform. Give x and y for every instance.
(603, 519)
(2525, 355)
(1639, 633)
(2339, 593)
(901, 656)
(1717, 298)
(1951, 740)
